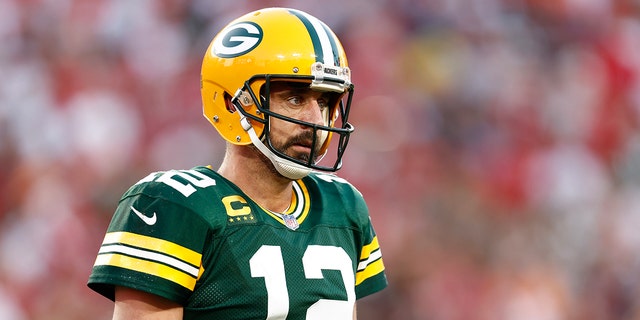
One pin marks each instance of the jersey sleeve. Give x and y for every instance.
(370, 275)
(370, 272)
(154, 244)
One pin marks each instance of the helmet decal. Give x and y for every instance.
(322, 38)
(237, 40)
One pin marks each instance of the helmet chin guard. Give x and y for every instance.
(285, 167)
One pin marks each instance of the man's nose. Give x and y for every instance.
(313, 113)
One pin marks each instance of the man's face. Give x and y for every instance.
(298, 101)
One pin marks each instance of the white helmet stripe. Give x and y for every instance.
(324, 44)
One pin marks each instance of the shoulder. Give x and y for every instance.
(338, 192)
(175, 182)
(331, 184)
(189, 189)
(328, 180)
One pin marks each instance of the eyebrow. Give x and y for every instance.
(302, 91)
(299, 88)
(290, 86)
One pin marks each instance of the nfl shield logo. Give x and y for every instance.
(290, 221)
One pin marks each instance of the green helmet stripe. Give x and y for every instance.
(324, 44)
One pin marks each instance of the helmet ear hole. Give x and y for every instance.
(227, 101)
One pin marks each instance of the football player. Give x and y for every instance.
(272, 233)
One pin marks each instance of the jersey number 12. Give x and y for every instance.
(267, 263)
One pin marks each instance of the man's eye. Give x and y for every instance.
(295, 100)
(323, 104)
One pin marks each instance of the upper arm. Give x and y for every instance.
(134, 304)
(355, 311)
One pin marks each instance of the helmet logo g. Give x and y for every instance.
(237, 40)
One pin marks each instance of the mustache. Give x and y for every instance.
(305, 138)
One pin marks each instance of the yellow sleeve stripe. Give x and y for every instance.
(150, 256)
(366, 250)
(148, 267)
(371, 270)
(159, 245)
(370, 261)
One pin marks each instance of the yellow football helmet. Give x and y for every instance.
(275, 44)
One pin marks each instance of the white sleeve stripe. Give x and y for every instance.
(152, 256)
(372, 257)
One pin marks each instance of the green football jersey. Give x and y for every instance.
(195, 238)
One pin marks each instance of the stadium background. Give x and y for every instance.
(497, 144)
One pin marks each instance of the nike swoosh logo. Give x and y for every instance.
(146, 219)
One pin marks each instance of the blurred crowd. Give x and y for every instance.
(497, 144)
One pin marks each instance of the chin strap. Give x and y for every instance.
(285, 167)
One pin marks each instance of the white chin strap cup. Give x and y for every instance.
(285, 167)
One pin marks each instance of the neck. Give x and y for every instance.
(247, 168)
